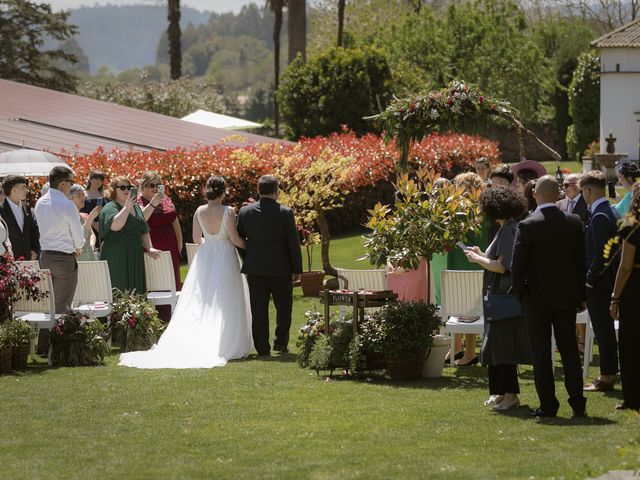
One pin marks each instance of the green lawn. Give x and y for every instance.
(270, 419)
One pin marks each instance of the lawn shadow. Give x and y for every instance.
(278, 357)
(522, 411)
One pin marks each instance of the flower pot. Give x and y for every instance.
(5, 359)
(407, 366)
(434, 363)
(311, 283)
(19, 356)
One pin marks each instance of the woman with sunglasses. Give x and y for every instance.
(162, 219)
(125, 237)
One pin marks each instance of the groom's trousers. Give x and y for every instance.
(261, 288)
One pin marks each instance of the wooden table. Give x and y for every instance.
(358, 300)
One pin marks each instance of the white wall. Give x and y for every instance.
(620, 99)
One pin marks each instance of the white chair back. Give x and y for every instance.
(192, 248)
(159, 273)
(34, 264)
(461, 293)
(362, 279)
(45, 305)
(94, 294)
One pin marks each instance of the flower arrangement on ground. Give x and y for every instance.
(19, 337)
(78, 340)
(17, 282)
(135, 320)
(322, 350)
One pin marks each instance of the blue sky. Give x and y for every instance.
(218, 6)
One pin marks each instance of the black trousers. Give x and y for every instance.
(503, 379)
(629, 338)
(539, 324)
(261, 288)
(604, 329)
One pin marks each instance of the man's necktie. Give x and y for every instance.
(571, 205)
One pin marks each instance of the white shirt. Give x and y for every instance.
(59, 223)
(4, 238)
(595, 204)
(545, 205)
(18, 212)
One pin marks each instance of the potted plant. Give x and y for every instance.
(20, 334)
(135, 320)
(17, 282)
(403, 332)
(5, 349)
(78, 340)
(311, 280)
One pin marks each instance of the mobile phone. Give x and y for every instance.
(101, 202)
(134, 192)
(462, 246)
(161, 189)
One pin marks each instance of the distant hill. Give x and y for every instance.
(123, 37)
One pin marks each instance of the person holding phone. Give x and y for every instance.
(162, 218)
(77, 196)
(125, 237)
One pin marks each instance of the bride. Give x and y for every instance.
(212, 321)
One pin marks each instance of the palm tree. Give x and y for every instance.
(173, 34)
(297, 26)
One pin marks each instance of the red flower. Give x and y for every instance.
(480, 99)
(447, 248)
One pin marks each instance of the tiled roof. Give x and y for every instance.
(627, 36)
(44, 119)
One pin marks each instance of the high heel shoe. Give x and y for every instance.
(470, 363)
(506, 404)
(457, 356)
(493, 400)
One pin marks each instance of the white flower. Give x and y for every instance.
(433, 114)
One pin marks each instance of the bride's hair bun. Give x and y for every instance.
(215, 187)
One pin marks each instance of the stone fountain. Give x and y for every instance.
(608, 162)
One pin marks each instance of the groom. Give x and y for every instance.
(272, 262)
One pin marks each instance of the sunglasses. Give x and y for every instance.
(124, 187)
(565, 185)
(153, 185)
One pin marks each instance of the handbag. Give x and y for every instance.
(498, 306)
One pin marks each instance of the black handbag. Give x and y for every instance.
(498, 306)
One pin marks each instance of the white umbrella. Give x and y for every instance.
(30, 163)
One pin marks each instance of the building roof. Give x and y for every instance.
(43, 119)
(210, 119)
(627, 36)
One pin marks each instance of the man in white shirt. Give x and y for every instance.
(61, 236)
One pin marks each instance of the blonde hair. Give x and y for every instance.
(469, 181)
(147, 177)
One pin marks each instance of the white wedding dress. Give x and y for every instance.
(212, 320)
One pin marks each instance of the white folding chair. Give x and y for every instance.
(41, 313)
(362, 279)
(93, 295)
(192, 248)
(34, 264)
(461, 292)
(161, 282)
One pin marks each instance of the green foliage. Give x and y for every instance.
(24, 28)
(135, 320)
(78, 340)
(175, 98)
(400, 328)
(18, 332)
(338, 87)
(427, 219)
(584, 102)
(320, 351)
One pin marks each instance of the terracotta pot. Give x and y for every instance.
(19, 356)
(407, 366)
(311, 283)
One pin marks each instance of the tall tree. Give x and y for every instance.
(341, 6)
(173, 34)
(297, 28)
(24, 27)
(276, 7)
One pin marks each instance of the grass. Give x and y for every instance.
(269, 419)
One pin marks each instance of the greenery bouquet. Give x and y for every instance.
(135, 320)
(77, 340)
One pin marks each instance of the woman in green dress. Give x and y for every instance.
(125, 237)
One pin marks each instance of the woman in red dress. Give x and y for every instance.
(162, 218)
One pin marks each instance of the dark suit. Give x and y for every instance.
(580, 208)
(548, 274)
(273, 255)
(25, 240)
(602, 226)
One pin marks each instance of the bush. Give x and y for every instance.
(78, 340)
(584, 104)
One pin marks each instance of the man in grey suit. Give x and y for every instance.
(272, 262)
(573, 201)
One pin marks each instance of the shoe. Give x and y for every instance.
(579, 414)
(281, 348)
(264, 354)
(506, 405)
(626, 406)
(457, 356)
(470, 363)
(540, 413)
(599, 385)
(493, 400)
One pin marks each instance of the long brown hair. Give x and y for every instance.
(111, 191)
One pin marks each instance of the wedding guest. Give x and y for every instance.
(5, 243)
(23, 230)
(548, 275)
(2, 195)
(61, 236)
(94, 196)
(501, 176)
(457, 260)
(505, 343)
(628, 174)
(125, 237)
(528, 197)
(625, 305)
(162, 219)
(77, 196)
(526, 170)
(483, 168)
(602, 226)
(573, 201)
